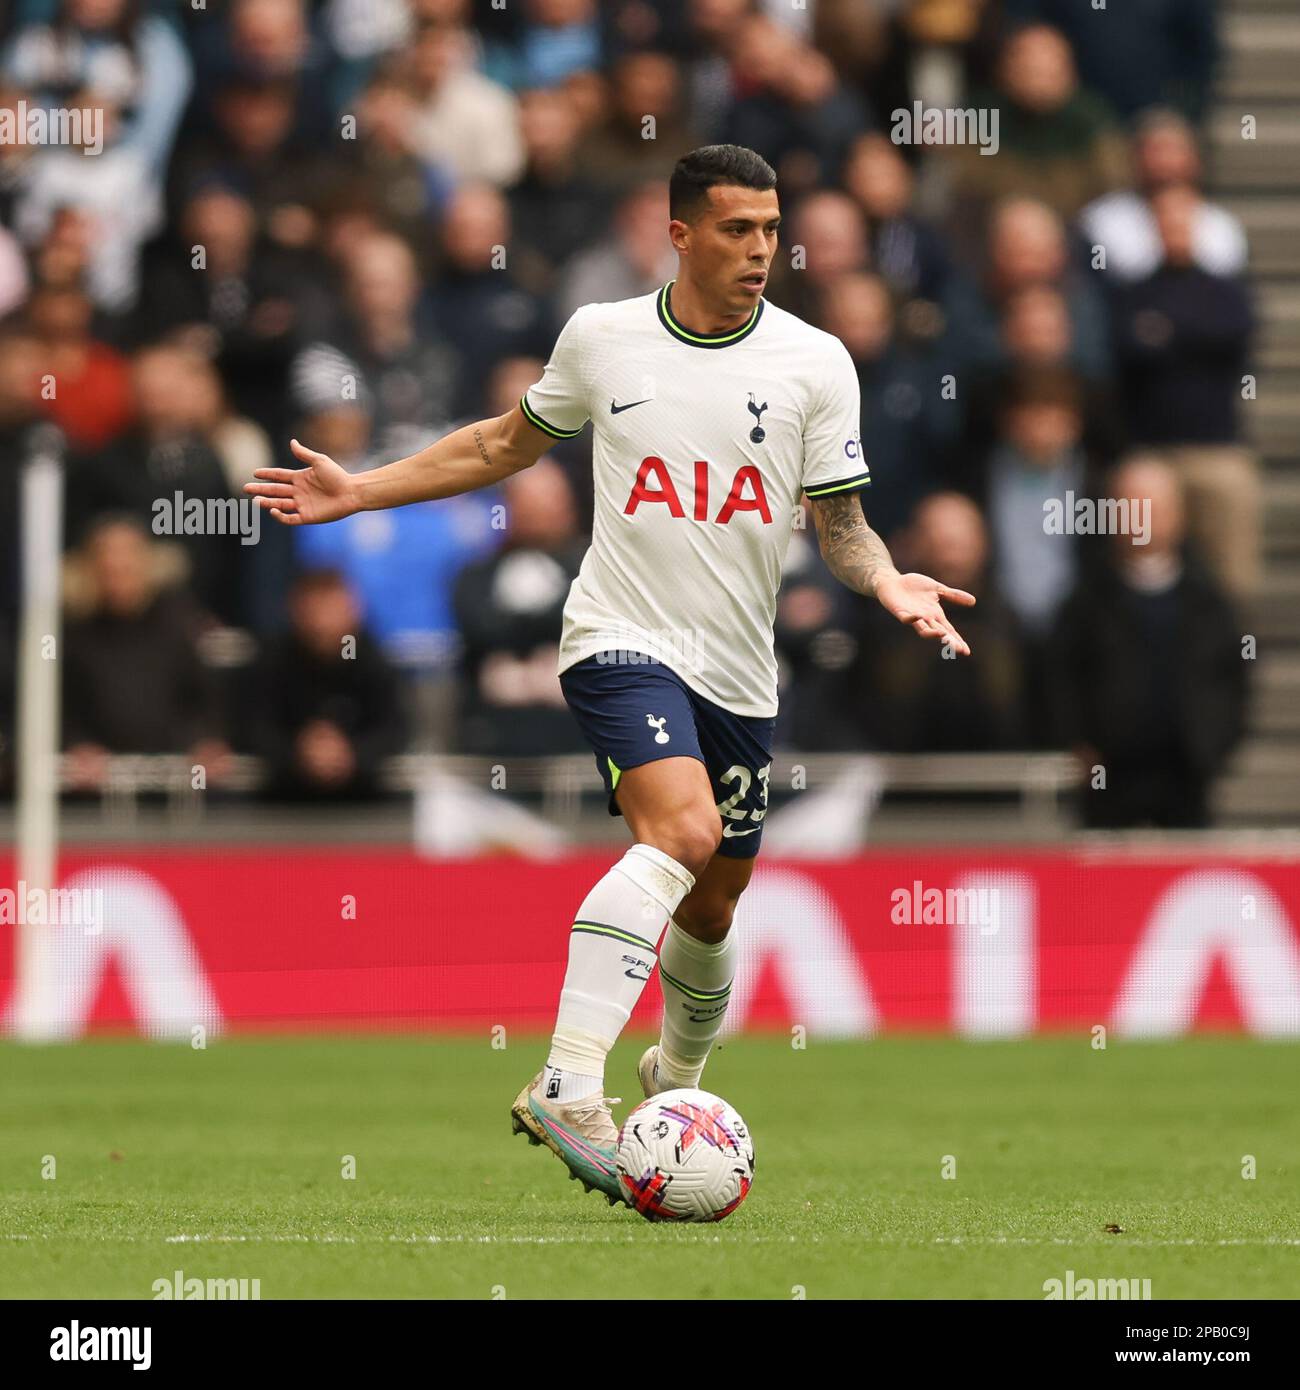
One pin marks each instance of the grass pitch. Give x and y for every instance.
(228, 1163)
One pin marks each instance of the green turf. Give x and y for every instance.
(243, 1144)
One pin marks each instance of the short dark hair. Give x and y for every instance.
(695, 173)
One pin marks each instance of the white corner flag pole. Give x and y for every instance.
(35, 1009)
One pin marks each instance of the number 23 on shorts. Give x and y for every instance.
(730, 811)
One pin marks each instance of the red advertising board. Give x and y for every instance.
(986, 944)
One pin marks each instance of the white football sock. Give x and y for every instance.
(695, 977)
(611, 956)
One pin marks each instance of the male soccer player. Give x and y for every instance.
(713, 411)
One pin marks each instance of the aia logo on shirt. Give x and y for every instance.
(654, 484)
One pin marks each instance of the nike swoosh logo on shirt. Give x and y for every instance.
(728, 832)
(614, 409)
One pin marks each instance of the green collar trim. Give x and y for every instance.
(705, 340)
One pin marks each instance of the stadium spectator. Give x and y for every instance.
(476, 302)
(345, 225)
(383, 169)
(854, 35)
(241, 446)
(265, 44)
(1056, 141)
(248, 138)
(134, 60)
(644, 128)
(923, 700)
(130, 73)
(380, 352)
(792, 106)
(632, 25)
(1027, 247)
(401, 564)
(168, 452)
(465, 123)
(86, 384)
(632, 258)
(325, 708)
(62, 259)
(508, 382)
(1028, 486)
(556, 211)
(133, 681)
(589, 92)
(933, 51)
(361, 32)
(1151, 679)
(903, 417)
(1037, 333)
(709, 63)
(906, 251)
(1160, 52)
(1037, 458)
(508, 610)
(118, 189)
(1183, 340)
(830, 232)
(343, 430)
(1124, 226)
(241, 305)
(558, 39)
(271, 38)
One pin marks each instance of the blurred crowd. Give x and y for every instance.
(363, 222)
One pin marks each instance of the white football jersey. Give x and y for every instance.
(702, 447)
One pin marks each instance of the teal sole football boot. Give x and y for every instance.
(581, 1133)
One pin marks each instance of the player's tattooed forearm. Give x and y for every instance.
(855, 555)
(482, 447)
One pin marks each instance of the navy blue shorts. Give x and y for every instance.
(638, 711)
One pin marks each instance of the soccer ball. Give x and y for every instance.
(685, 1156)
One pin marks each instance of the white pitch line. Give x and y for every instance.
(627, 1237)
(1105, 1240)
(630, 1237)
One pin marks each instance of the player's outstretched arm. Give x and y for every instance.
(857, 557)
(471, 457)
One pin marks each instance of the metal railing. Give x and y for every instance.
(559, 782)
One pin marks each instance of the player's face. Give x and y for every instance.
(731, 244)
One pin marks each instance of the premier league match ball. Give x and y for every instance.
(685, 1156)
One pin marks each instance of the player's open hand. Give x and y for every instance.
(322, 491)
(915, 599)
